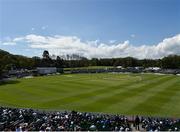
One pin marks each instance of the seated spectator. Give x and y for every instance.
(12, 119)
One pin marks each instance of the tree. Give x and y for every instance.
(171, 61)
(47, 61)
(94, 62)
(45, 54)
(1, 73)
(59, 62)
(37, 61)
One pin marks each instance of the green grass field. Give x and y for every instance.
(128, 94)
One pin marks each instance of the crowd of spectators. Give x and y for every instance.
(14, 119)
(160, 124)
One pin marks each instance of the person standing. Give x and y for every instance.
(137, 122)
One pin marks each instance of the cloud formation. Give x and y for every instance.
(133, 35)
(32, 29)
(44, 27)
(9, 43)
(60, 45)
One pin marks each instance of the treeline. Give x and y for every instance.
(171, 62)
(9, 61)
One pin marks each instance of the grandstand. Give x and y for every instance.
(13, 119)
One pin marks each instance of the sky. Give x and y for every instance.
(91, 28)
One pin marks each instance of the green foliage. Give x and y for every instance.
(8, 61)
(172, 61)
(45, 54)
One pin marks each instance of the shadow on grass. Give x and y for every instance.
(5, 82)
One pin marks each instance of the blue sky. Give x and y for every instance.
(141, 22)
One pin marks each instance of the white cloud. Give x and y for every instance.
(133, 35)
(60, 45)
(44, 27)
(18, 39)
(9, 43)
(32, 29)
(112, 41)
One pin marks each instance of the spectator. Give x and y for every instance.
(137, 121)
(12, 119)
